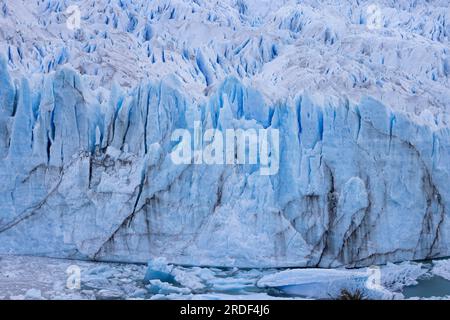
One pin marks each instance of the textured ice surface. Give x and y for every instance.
(441, 268)
(380, 283)
(363, 112)
(315, 283)
(36, 278)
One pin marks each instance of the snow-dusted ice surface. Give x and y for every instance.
(359, 91)
(26, 277)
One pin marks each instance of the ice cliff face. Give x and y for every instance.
(359, 94)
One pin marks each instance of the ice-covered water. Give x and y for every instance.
(25, 277)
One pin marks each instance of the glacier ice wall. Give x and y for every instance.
(86, 118)
(357, 184)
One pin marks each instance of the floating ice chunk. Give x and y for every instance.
(188, 279)
(158, 269)
(205, 273)
(303, 276)
(159, 287)
(441, 268)
(158, 275)
(109, 294)
(396, 276)
(138, 293)
(233, 284)
(321, 283)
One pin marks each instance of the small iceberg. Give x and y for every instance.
(324, 283)
(158, 269)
